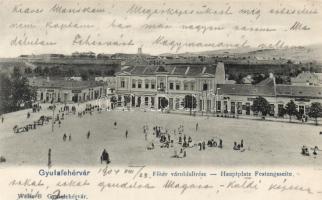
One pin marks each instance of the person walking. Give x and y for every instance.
(126, 133)
(88, 134)
(220, 143)
(197, 126)
(49, 157)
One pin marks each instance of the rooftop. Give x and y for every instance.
(179, 70)
(268, 90)
(63, 84)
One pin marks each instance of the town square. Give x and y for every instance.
(265, 142)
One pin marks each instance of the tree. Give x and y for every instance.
(22, 94)
(190, 102)
(258, 78)
(45, 71)
(127, 99)
(5, 94)
(164, 102)
(113, 100)
(260, 104)
(28, 70)
(71, 72)
(291, 110)
(38, 70)
(315, 111)
(281, 112)
(84, 75)
(15, 92)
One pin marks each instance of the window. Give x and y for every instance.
(192, 86)
(171, 86)
(133, 84)
(122, 84)
(225, 107)
(177, 103)
(152, 101)
(205, 87)
(146, 85)
(239, 108)
(152, 85)
(161, 85)
(232, 108)
(119, 100)
(185, 86)
(272, 111)
(218, 106)
(140, 84)
(146, 100)
(178, 86)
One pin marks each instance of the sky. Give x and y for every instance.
(15, 25)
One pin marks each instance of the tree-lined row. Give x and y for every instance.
(262, 106)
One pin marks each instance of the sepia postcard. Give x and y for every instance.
(110, 99)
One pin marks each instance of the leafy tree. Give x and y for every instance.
(291, 110)
(315, 111)
(46, 71)
(164, 102)
(15, 91)
(91, 72)
(71, 72)
(190, 102)
(258, 78)
(239, 78)
(127, 99)
(55, 71)
(111, 72)
(28, 70)
(84, 75)
(38, 70)
(281, 112)
(21, 91)
(5, 93)
(113, 100)
(260, 104)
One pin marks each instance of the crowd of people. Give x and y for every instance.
(178, 140)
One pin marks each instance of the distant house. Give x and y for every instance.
(74, 78)
(307, 78)
(67, 91)
(109, 81)
(247, 80)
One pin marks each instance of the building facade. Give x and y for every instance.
(237, 99)
(147, 87)
(67, 91)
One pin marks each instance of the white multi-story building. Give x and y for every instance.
(147, 86)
